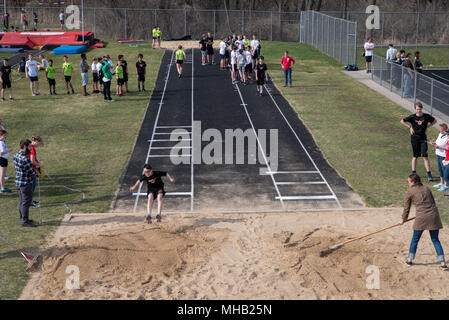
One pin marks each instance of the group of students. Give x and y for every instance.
(157, 36)
(102, 68)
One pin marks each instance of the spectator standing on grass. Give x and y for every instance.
(107, 78)
(6, 21)
(120, 79)
(100, 73)
(159, 37)
(418, 64)
(24, 181)
(84, 67)
(23, 20)
(141, 70)
(44, 63)
(21, 66)
(369, 52)
(286, 64)
(203, 49)
(67, 71)
(31, 73)
(154, 34)
(427, 218)
(4, 156)
(35, 21)
(419, 123)
(51, 77)
(440, 145)
(61, 19)
(36, 142)
(408, 75)
(94, 75)
(391, 53)
(5, 78)
(124, 63)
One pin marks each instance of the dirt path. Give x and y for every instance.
(237, 256)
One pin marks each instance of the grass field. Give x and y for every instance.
(431, 57)
(86, 144)
(357, 129)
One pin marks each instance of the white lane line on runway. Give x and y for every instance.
(302, 145)
(155, 126)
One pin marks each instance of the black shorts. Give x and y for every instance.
(154, 38)
(125, 77)
(33, 79)
(222, 56)
(52, 82)
(234, 68)
(68, 78)
(155, 192)
(141, 77)
(368, 58)
(227, 54)
(261, 81)
(3, 162)
(419, 146)
(100, 79)
(210, 50)
(120, 82)
(179, 61)
(6, 83)
(95, 77)
(249, 68)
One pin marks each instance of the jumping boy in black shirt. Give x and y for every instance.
(155, 189)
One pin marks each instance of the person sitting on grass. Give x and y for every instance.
(5, 78)
(51, 77)
(67, 70)
(155, 189)
(427, 218)
(4, 155)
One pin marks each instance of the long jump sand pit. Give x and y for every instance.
(237, 256)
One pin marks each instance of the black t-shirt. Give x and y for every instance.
(125, 67)
(210, 41)
(408, 64)
(419, 124)
(418, 64)
(203, 43)
(154, 182)
(141, 67)
(6, 71)
(261, 68)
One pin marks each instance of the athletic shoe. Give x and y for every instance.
(3, 99)
(55, 93)
(128, 91)
(409, 263)
(73, 91)
(139, 90)
(444, 267)
(429, 177)
(158, 218)
(87, 95)
(35, 204)
(213, 63)
(148, 219)
(179, 76)
(285, 86)
(443, 188)
(33, 95)
(144, 90)
(37, 93)
(51, 93)
(6, 190)
(68, 92)
(28, 225)
(439, 185)
(12, 99)
(112, 100)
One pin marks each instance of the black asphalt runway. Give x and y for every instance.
(301, 180)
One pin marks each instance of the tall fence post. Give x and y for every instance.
(328, 32)
(383, 24)
(126, 23)
(355, 43)
(271, 29)
(155, 17)
(381, 69)
(341, 38)
(335, 37)
(95, 22)
(417, 30)
(431, 96)
(215, 11)
(372, 68)
(347, 43)
(416, 82)
(185, 21)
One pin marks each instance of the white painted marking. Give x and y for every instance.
(292, 198)
(172, 194)
(299, 183)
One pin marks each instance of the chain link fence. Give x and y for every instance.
(402, 28)
(126, 23)
(333, 36)
(412, 85)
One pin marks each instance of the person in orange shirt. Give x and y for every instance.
(286, 64)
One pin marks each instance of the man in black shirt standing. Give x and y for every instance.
(5, 78)
(141, 70)
(210, 48)
(203, 48)
(419, 123)
(155, 189)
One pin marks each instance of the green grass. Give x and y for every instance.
(431, 57)
(357, 129)
(86, 145)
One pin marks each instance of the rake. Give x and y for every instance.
(328, 250)
(31, 260)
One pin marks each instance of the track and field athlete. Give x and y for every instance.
(180, 56)
(261, 75)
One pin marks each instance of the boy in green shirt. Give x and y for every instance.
(50, 71)
(159, 36)
(154, 37)
(67, 70)
(180, 56)
(120, 78)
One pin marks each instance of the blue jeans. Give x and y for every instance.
(446, 173)
(440, 166)
(288, 76)
(34, 183)
(436, 243)
(407, 84)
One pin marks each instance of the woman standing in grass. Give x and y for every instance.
(4, 155)
(427, 218)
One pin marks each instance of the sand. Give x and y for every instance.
(236, 256)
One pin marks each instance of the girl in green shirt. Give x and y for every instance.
(154, 37)
(180, 56)
(50, 71)
(120, 78)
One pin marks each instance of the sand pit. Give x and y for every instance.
(236, 256)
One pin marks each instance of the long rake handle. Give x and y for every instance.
(369, 234)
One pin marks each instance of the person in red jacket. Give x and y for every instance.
(286, 64)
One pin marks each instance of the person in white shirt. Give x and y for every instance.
(31, 73)
(255, 46)
(391, 53)
(234, 55)
(223, 53)
(369, 52)
(61, 19)
(4, 155)
(249, 63)
(440, 145)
